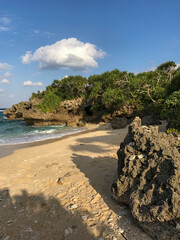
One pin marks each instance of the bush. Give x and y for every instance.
(172, 131)
(50, 103)
(113, 98)
(175, 83)
(70, 87)
(171, 110)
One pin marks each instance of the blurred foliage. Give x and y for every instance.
(172, 131)
(171, 110)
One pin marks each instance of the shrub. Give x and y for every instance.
(172, 131)
(50, 103)
(171, 110)
(113, 98)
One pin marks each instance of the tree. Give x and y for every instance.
(113, 98)
(50, 102)
(175, 83)
(171, 110)
(167, 67)
(71, 87)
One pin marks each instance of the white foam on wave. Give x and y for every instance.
(37, 138)
(43, 131)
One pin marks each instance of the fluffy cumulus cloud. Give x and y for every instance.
(29, 83)
(4, 80)
(67, 53)
(5, 66)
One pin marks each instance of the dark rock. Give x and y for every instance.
(148, 179)
(150, 120)
(119, 123)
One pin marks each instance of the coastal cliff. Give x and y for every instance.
(74, 113)
(70, 112)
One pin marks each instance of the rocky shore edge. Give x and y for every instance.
(73, 113)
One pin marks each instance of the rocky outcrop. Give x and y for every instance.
(118, 122)
(17, 110)
(150, 120)
(71, 112)
(74, 113)
(148, 179)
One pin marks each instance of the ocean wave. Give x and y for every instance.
(18, 131)
(43, 131)
(37, 138)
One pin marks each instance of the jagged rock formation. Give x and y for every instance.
(17, 110)
(74, 113)
(70, 112)
(149, 179)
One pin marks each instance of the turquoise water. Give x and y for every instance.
(17, 131)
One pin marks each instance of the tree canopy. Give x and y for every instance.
(114, 89)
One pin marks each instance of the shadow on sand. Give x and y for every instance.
(101, 172)
(36, 217)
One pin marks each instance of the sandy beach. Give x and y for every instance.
(61, 189)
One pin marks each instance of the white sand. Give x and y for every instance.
(79, 206)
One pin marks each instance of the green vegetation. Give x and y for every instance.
(50, 103)
(172, 131)
(171, 110)
(154, 91)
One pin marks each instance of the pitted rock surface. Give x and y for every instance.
(149, 178)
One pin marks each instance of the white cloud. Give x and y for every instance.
(4, 24)
(7, 74)
(4, 80)
(48, 34)
(1, 90)
(5, 20)
(151, 69)
(45, 33)
(36, 31)
(11, 96)
(66, 76)
(177, 65)
(66, 53)
(5, 66)
(4, 28)
(29, 83)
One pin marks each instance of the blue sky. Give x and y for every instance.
(45, 40)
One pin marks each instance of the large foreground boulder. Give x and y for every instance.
(149, 179)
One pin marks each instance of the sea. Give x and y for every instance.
(18, 131)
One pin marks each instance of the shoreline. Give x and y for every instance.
(65, 183)
(8, 149)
